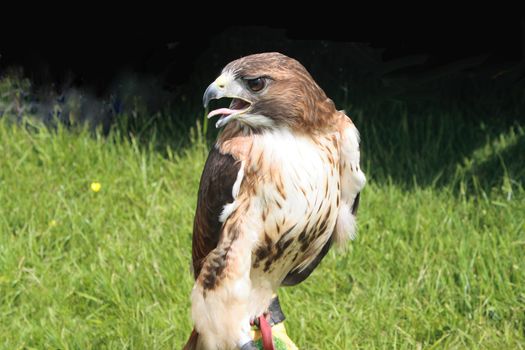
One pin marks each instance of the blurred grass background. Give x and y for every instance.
(438, 262)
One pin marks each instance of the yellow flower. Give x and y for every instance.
(95, 186)
(53, 223)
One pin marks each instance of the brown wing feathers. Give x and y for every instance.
(218, 177)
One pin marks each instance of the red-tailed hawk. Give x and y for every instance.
(280, 186)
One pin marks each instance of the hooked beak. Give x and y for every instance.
(211, 93)
(219, 89)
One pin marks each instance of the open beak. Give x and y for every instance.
(220, 89)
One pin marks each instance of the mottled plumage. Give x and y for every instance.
(280, 186)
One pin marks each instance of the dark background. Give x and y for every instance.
(93, 51)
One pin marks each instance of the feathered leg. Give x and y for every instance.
(221, 294)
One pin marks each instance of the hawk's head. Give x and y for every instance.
(270, 90)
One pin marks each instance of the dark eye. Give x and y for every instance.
(256, 84)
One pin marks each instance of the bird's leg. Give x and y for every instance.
(221, 295)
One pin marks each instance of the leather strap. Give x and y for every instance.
(275, 312)
(266, 333)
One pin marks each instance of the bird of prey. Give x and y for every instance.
(280, 186)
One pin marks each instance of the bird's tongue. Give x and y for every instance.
(235, 106)
(223, 111)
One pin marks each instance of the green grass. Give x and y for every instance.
(438, 263)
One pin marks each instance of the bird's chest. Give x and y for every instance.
(295, 184)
